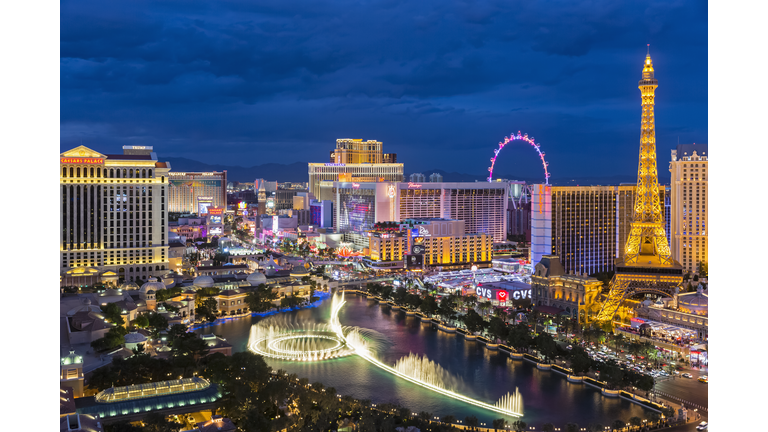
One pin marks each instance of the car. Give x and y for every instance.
(687, 375)
(704, 379)
(702, 426)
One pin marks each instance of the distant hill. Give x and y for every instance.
(297, 172)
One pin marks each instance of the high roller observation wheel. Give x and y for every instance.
(519, 137)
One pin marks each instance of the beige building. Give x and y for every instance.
(689, 205)
(354, 160)
(576, 295)
(439, 243)
(112, 215)
(193, 192)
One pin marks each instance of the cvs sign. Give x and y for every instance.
(521, 295)
(484, 292)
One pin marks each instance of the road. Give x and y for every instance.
(687, 389)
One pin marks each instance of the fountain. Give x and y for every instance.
(318, 342)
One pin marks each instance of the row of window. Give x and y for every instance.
(75, 172)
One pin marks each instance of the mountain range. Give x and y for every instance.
(297, 172)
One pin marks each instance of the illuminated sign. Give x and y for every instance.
(414, 185)
(242, 205)
(423, 231)
(215, 219)
(335, 164)
(484, 292)
(418, 249)
(205, 198)
(275, 224)
(215, 210)
(521, 295)
(391, 191)
(501, 296)
(356, 185)
(86, 161)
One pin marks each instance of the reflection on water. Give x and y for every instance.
(482, 374)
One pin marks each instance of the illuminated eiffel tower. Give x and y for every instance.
(647, 265)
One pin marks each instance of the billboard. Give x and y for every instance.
(414, 261)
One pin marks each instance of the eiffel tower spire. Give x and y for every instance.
(647, 266)
(647, 238)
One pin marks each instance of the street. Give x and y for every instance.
(687, 389)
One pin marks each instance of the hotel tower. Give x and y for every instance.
(113, 215)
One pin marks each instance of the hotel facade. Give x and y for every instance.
(112, 215)
(194, 192)
(354, 160)
(481, 205)
(689, 205)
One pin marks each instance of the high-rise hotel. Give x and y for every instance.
(113, 215)
(194, 192)
(354, 160)
(689, 205)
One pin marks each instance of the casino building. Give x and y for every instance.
(481, 205)
(112, 215)
(427, 243)
(191, 192)
(354, 160)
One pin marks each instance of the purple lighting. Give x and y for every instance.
(525, 138)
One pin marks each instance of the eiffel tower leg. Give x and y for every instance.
(632, 248)
(662, 246)
(617, 293)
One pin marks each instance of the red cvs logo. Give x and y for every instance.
(501, 296)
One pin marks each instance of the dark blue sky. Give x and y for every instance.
(439, 82)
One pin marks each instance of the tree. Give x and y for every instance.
(112, 313)
(155, 422)
(546, 345)
(498, 328)
(208, 309)
(636, 421)
(141, 321)
(597, 427)
(668, 412)
(618, 425)
(157, 323)
(519, 336)
(612, 374)
(448, 419)
(499, 423)
(645, 383)
(580, 361)
(122, 426)
(473, 321)
(413, 301)
(572, 427)
(519, 425)
(548, 427)
(703, 269)
(471, 421)
(428, 305)
(111, 340)
(260, 299)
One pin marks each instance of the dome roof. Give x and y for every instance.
(84, 306)
(129, 286)
(203, 281)
(153, 285)
(169, 281)
(697, 302)
(134, 337)
(256, 278)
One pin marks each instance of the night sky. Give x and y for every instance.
(440, 82)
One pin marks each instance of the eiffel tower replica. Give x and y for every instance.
(647, 265)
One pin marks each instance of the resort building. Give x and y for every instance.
(689, 205)
(112, 215)
(192, 192)
(555, 292)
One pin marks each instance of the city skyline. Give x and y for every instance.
(304, 82)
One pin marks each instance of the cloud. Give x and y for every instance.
(199, 76)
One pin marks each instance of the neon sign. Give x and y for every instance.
(501, 296)
(215, 210)
(391, 191)
(242, 205)
(521, 295)
(414, 185)
(356, 185)
(87, 161)
(335, 164)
